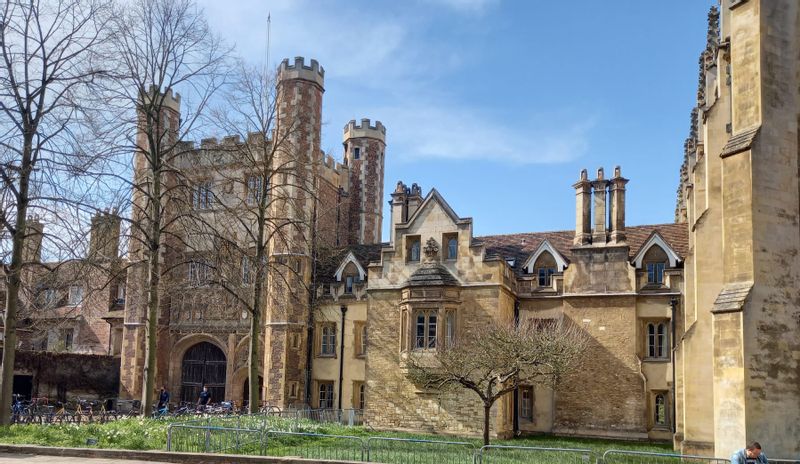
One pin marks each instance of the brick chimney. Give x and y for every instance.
(32, 249)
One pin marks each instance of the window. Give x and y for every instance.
(75, 295)
(425, 330)
(326, 289)
(356, 153)
(545, 274)
(526, 402)
(360, 339)
(348, 284)
(120, 293)
(657, 340)
(655, 260)
(359, 389)
(246, 271)
(49, 298)
(450, 328)
(202, 195)
(253, 190)
(199, 273)
(295, 340)
(413, 248)
(452, 246)
(66, 338)
(660, 410)
(326, 395)
(328, 340)
(544, 268)
(655, 273)
(292, 389)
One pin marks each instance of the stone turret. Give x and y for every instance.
(364, 148)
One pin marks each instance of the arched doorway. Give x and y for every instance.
(246, 389)
(203, 364)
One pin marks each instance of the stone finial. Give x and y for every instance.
(431, 249)
(584, 174)
(617, 172)
(600, 175)
(401, 187)
(712, 39)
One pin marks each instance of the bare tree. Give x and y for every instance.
(164, 47)
(51, 61)
(263, 174)
(500, 358)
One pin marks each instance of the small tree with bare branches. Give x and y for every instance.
(499, 358)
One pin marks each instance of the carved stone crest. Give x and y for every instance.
(431, 250)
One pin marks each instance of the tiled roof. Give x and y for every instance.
(521, 246)
(330, 259)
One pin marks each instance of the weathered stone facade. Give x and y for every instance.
(738, 360)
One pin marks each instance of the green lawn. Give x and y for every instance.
(140, 434)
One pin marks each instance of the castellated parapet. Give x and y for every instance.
(170, 100)
(364, 130)
(314, 73)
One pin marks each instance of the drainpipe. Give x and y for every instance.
(673, 303)
(515, 412)
(341, 357)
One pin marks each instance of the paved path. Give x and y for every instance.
(6, 458)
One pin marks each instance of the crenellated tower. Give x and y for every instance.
(364, 148)
(297, 138)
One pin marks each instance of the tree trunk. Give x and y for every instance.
(252, 359)
(487, 411)
(13, 283)
(153, 297)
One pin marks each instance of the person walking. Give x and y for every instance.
(751, 454)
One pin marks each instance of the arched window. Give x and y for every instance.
(660, 410)
(544, 268)
(657, 340)
(655, 261)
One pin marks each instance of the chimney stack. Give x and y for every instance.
(399, 205)
(600, 234)
(618, 206)
(104, 236)
(583, 205)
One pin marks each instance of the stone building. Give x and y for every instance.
(738, 356)
(435, 282)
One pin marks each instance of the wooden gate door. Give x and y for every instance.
(203, 364)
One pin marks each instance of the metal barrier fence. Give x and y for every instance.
(642, 457)
(400, 450)
(212, 439)
(315, 446)
(498, 454)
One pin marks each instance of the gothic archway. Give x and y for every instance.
(203, 364)
(246, 389)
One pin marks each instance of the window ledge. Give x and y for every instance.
(329, 356)
(657, 360)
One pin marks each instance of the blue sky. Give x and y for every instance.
(499, 104)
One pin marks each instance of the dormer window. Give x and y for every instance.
(544, 268)
(655, 261)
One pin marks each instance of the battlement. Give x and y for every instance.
(171, 101)
(314, 73)
(364, 130)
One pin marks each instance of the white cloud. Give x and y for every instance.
(382, 63)
(427, 131)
